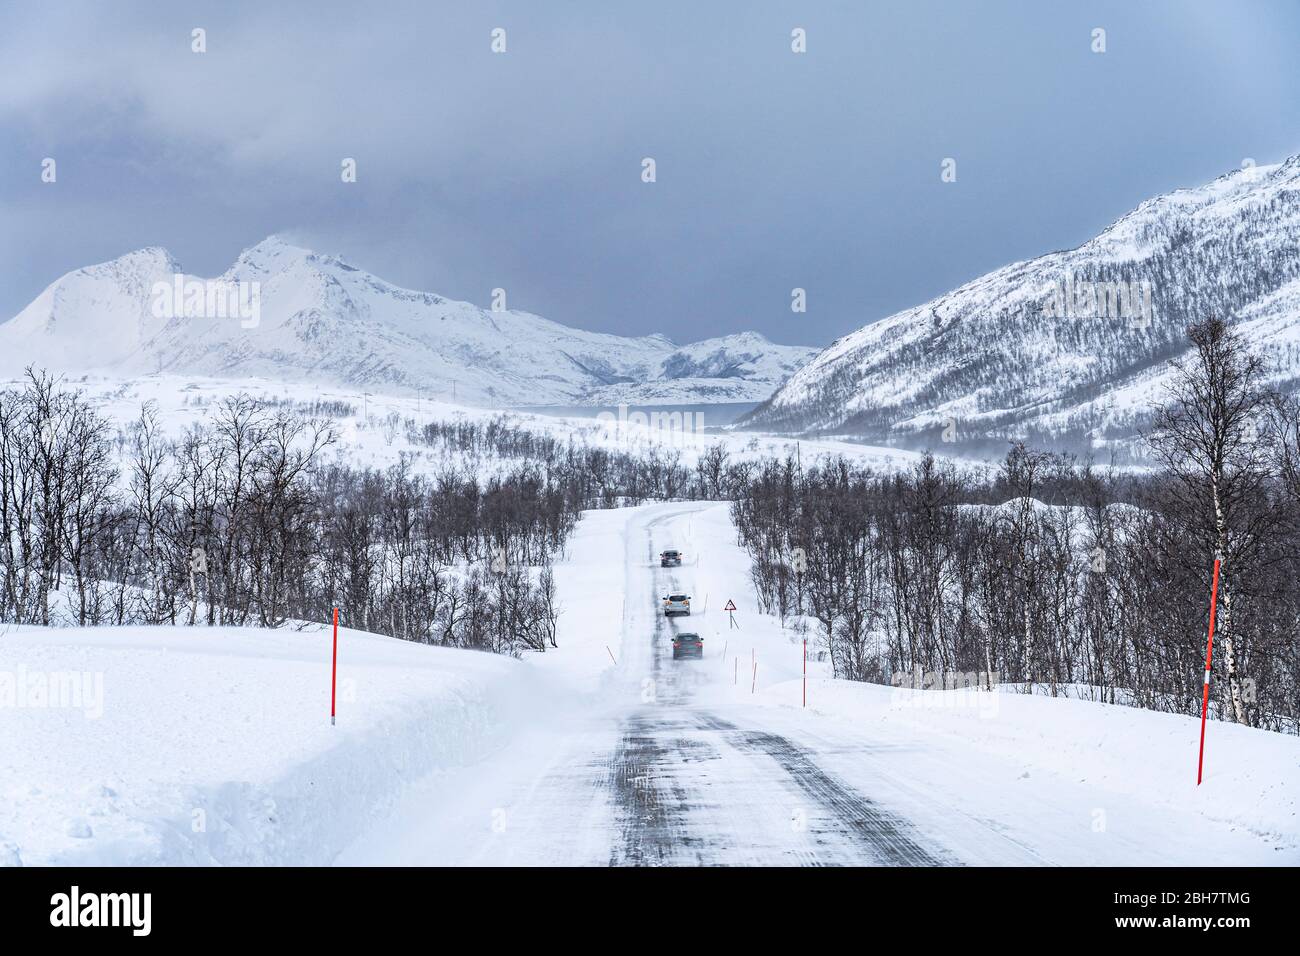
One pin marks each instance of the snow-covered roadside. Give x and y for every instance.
(720, 569)
(1252, 778)
(214, 746)
(591, 581)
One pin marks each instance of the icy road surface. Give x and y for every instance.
(671, 763)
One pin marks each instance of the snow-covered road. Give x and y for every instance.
(653, 774)
(691, 786)
(663, 762)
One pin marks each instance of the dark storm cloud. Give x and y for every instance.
(522, 169)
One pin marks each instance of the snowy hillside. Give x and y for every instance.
(321, 320)
(1066, 344)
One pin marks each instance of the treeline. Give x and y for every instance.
(240, 521)
(595, 476)
(1055, 575)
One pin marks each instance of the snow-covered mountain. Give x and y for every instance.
(322, 320)
(1065, 346)
(732, 368)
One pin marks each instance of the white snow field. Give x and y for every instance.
(214, 746)
(374, 432)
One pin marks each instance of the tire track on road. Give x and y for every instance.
(889, 839)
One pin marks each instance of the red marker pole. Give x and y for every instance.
(334, 668)
(1209, 655)
(805, 672)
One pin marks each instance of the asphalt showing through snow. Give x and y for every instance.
(691, 788)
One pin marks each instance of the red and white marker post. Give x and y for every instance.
(1209, 656)
(334, 667)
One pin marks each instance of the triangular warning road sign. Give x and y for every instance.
(731, 605)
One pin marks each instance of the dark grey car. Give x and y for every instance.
(688, 647)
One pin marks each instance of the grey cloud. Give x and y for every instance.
(522, 170)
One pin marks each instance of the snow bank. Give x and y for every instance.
(172, 745)
(1252, 777)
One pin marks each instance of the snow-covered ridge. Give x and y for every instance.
(994, 357)
(323, 321)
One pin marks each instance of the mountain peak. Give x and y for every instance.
(151, 260)
(272, 255)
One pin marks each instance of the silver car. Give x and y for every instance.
(675, 604)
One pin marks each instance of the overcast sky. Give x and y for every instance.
(522, 170)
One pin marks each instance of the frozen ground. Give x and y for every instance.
(213, 746)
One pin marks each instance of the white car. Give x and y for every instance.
(675, 604)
